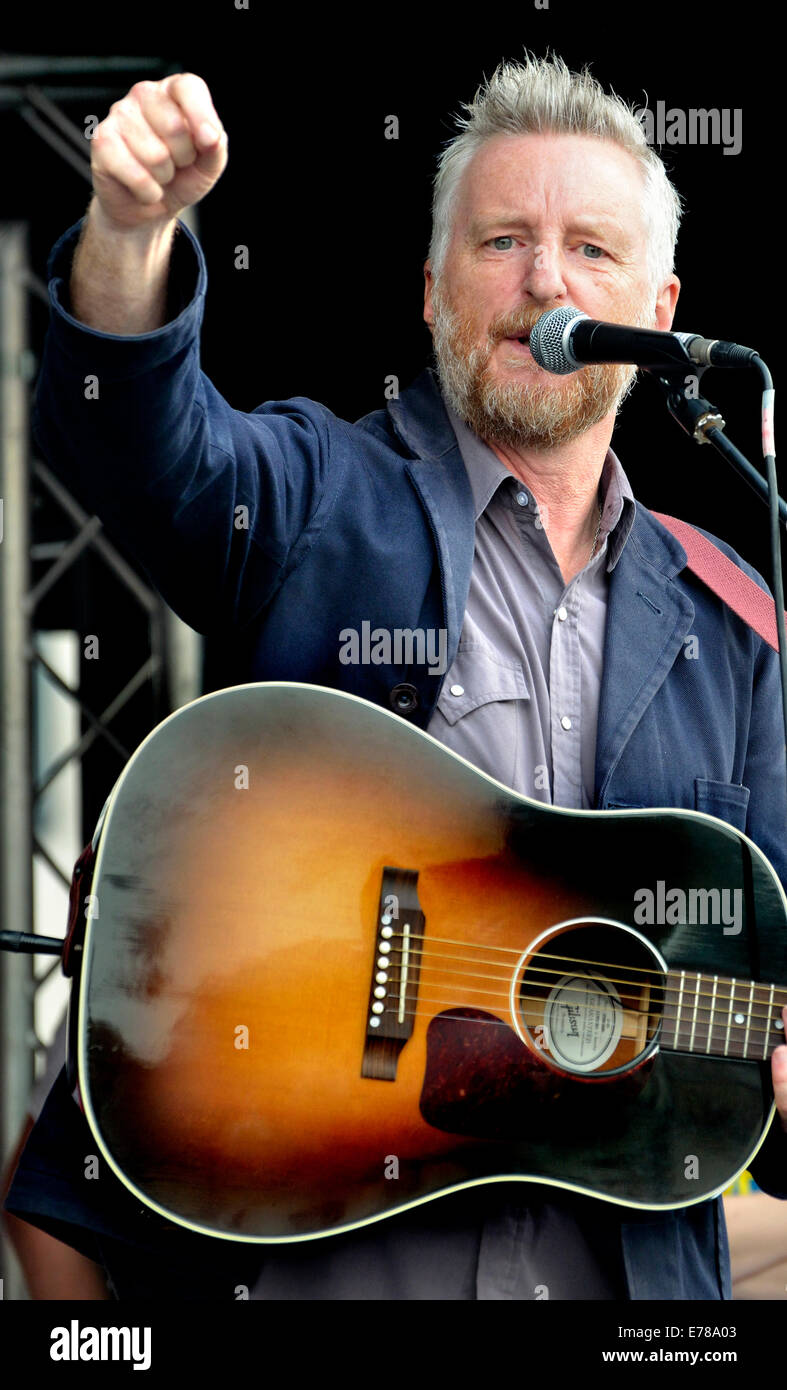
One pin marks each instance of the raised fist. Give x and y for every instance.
(159, 150)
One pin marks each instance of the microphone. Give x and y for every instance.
(564, 339)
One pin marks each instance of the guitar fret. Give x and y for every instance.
(667, 1018)
(678, 1007)
(712, 1007)
(694, 1019)
(768, 1024)
(748, 1021)
(729, 1016)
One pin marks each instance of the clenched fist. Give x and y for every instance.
(160, 149)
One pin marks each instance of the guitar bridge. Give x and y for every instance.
(393, 990)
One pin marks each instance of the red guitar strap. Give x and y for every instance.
(725, 579)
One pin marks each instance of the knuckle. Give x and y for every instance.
(137, 178)
(174, 123)
(104, 141)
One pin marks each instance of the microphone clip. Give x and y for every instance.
(692, 411)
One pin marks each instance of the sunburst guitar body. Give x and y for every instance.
(330, 970)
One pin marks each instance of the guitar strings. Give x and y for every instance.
(688, 996)
(676, 1046)
(574, 960)
(687, 993)
(754, 1032)
(688, 1005)
(547, 955)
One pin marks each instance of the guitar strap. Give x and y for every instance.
(725, 579)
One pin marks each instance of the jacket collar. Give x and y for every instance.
(438, 474)
(421, 421)
(420, 418)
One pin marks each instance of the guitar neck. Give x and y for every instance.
(719, 1016)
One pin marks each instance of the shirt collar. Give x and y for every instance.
(487, 473)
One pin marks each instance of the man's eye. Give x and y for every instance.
(502, 238)
(595, 250)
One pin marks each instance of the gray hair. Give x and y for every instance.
(543, 95)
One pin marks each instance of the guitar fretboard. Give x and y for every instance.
(722, 1017)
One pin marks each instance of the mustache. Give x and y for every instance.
(521, 325)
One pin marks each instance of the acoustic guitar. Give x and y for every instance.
(330, 970)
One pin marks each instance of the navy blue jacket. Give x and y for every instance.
(373, 521)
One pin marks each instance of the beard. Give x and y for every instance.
(528, 413)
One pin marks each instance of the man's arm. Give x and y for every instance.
(160, 150)
(211, 501)
(119, 279)
(52, 1269)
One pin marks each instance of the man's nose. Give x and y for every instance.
(544, 276)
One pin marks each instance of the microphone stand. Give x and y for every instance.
(705, 424)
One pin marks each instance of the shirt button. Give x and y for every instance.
(566, 722)
(522, 498)
(562, 614)
(457, 690)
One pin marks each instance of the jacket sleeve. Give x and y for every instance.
(215, 504)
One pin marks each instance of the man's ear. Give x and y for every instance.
(428, 282)
(666, 301)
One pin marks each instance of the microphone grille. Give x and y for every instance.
(546, 340)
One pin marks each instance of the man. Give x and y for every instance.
(485, 503)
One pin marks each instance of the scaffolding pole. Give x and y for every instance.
(16, 888)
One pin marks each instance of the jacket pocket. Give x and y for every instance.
(726, 800)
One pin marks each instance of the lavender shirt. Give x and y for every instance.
(520, 700)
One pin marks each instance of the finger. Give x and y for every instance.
(193, 97)
(144, 144)
(166, 118)
(113, 159)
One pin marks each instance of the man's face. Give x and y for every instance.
(541, 221)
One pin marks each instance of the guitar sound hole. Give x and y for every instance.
(588, 998)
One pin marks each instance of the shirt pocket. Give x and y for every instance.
(483, 721)
(726, 800)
